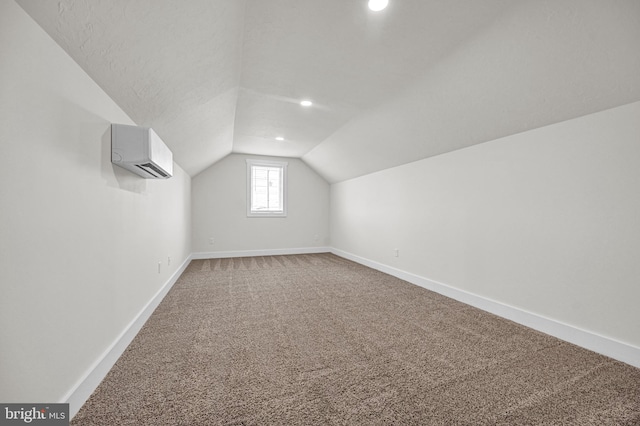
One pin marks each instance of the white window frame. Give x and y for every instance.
(283, 166)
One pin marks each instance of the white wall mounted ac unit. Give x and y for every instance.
(141, 151)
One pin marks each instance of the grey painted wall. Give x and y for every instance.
(220, 210)
(80, 239)
(547, 221)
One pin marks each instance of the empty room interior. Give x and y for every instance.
(369, 212)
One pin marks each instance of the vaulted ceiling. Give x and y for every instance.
(421, 78)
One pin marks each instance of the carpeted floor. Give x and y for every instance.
(319, 340)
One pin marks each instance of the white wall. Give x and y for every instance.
(220, 210)
(80, 239)
(546, 221)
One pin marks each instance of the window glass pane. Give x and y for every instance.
(266, 189)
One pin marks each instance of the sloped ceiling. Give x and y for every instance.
(421, 78)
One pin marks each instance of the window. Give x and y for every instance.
(266, 188)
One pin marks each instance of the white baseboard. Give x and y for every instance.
(264, 252)
(79, 394)
(601, 344)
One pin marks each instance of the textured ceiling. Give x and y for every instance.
(421, 78)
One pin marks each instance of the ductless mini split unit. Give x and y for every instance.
(141, 151)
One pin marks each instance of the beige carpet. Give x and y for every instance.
(319, 340)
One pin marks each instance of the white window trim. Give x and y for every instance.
(283, 164)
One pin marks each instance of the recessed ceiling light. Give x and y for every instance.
(279, 138)
(306, 103)
(378, 5)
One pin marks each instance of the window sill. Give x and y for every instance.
(266, 215)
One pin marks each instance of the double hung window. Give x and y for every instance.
(266, 188)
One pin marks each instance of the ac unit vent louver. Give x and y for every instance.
(150, 168)
(141, 151)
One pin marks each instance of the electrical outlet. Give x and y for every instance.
(159, 266)
(168, 260)
(396, 252)
(211, 240)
